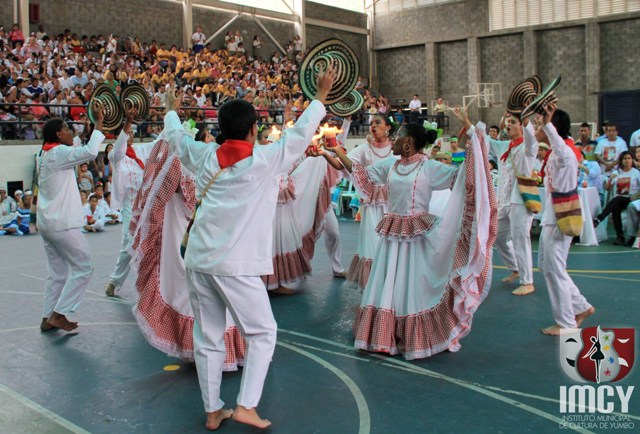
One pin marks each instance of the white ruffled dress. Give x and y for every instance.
(429, 272)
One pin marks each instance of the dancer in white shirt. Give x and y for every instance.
(515, 157)
(128, 167)
(230, 243)
(60, 218)
(568, 305)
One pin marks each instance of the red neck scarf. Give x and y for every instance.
(49, 146)
(570, 143)
(232, 151)
(132, 154)
(512, 145)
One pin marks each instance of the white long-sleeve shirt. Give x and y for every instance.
(59, 206)
(127, 173)
(232, 234)
(521, 161)
(561, 171)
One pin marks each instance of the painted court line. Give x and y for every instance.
(399, 364)
(361, 402)
(43, 411)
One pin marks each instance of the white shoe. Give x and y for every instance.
(636, 243)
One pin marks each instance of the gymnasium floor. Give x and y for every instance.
(106, 378)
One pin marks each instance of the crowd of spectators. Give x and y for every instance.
(61, 71)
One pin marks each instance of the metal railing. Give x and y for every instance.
(15, 127)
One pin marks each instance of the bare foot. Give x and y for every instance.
(511, 277)
(45, 326)
(215, 418)
(584, 315)
(61, 322)
(553, 330)
(283, 290)
(523, 290)
(556, 330)
(111, 290)
(249, 416)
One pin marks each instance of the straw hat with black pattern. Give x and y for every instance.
(134, 96)
(113, 112)
(546, 97)
(523, 94)
(331, 51)
(349, 105)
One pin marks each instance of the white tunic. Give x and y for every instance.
(59, 206)
(232, 234)
(521, 161)
(127, 173)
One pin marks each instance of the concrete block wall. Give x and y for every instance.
(561, 52)
(620, 55)
(335, 15)
(6, 14)
(148, 19)
(358, 43)
(404, 73)
(446, 21)
(592, 56)
(453, 72)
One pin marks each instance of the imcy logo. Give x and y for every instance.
(601, 356)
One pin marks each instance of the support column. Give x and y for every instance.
(24, 19)
(187, 23)
(473, 73)
(374, 81)
(529, 53)
(300, 25)
(592, 67)
(431, 72)
(16, 17)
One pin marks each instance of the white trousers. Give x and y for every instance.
(248, 303)
(332, 241)
(566, 300)
(123, 264)
(70, 268)
(514, 240)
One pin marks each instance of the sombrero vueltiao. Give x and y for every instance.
(349, 105)
(522, 95)
(546, 97)
(113, 112)
(135, 96)
(318, 59)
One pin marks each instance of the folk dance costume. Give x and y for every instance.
(330, 223)
(128, 167)
(60, 217)
(373, 199)
(290, 264)
(230, 247)
(515, 157)
(561, 171)
(161, 213)
(304, 202)
(421, 295)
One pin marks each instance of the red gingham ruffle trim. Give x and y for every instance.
(287, 193)
(404, 227)
(359, 271)
(370, 193)
(287, 268)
